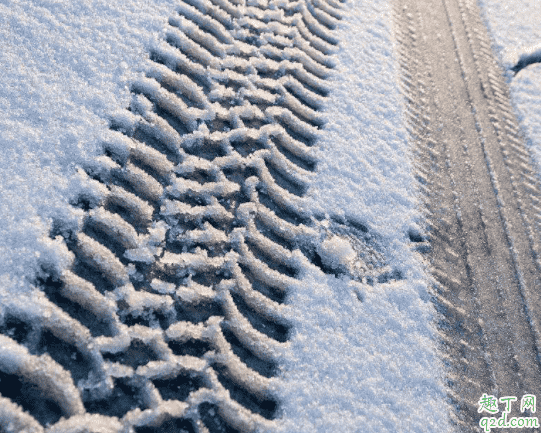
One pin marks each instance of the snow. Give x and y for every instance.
(363, 357)
(65, 68)
(517, 35)
(336, 252)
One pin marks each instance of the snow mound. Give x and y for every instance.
(337, 253)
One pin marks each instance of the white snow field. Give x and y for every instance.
(363, 357)
(516, 33)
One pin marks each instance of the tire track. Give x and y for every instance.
(481, 203)
(171, 313)
(169, 310)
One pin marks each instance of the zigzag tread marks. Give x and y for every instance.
(319, 24)
(525, 184)
(456, 329)
(200, 36)
(329, 7)
(324, 14)
(172, 312)
(206, 21)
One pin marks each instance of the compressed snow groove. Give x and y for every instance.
(171, 314)
(430, 173)
(481, 322)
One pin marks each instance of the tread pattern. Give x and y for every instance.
(170, 314)
(461, 335)
(476, 332)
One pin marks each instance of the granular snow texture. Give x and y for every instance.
(363, 357)
(65, 66)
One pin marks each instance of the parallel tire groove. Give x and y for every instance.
(494, 311)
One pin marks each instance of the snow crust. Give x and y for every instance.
(65, 67)
(364, 357)
(516, 34)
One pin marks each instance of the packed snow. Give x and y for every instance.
(516, 36)
(362, 357)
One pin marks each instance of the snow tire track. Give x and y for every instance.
(170, 315)
(482, 203)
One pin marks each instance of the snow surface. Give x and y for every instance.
(516, 33)
(336, 253)
(363, 358)
(64, 67)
